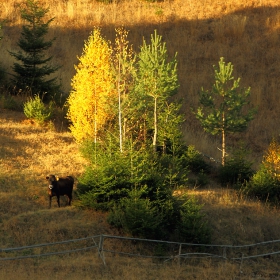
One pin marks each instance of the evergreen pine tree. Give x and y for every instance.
(32, 66)
(221, 110)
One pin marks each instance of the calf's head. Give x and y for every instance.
(52, 183)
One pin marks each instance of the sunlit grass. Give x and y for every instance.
(244, 32)
(29, 152)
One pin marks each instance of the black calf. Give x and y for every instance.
(58, 187)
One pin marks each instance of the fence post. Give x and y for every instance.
(224, 253)
(100, 249)
(241, 263)
(179, 255)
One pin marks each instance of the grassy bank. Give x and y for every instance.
(28, 153)
(244, 32)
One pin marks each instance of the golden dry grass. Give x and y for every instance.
(29, 152)
(244, 32)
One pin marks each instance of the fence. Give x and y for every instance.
(146, 248)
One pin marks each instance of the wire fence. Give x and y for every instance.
(144, 248)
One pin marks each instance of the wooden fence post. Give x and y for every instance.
(100, 249)
(179, 255)
(224, 253)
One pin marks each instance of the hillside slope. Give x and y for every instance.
(28, 153)
(244, 32)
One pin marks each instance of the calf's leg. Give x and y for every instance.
(69, 199)
(58, 201)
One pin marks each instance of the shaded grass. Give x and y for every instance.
(29, 151)
(244, 32)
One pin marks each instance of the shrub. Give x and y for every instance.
(271, 160)
(136, 216)
(35, 109)
(191, 226)
(265, 184)
(200, 179)
(160, 219)
(236, 169)
(112, 174)
(136, 188)
(195, 161)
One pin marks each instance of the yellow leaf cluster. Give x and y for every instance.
(93, 94)
(272, 159)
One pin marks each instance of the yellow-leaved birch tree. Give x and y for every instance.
(90, 101)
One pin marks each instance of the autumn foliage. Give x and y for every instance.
(92, 96)
(271, 159)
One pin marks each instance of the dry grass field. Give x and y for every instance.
(245, 32)
(28, 153)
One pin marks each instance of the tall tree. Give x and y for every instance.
(33, 66)
(222, 108)
(124, 59)
(93, 96)
(156, 80)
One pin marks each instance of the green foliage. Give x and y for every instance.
(136, 188)
(221, 110)
(111, 172)
(160, 219)
(35, 109)
(156, 80)
(137, 216)
(33, 67)
(263, 185)
(195, 161)
(138, 158)
(100, 186)
(237, 169)
(200, 179)
(117, 173)
(191, 226)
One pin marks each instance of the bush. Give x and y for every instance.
(35, 109)
(191, 226)
(160, 219)
(136, 216)
(195, 161)
(136, 188)
(112, 174)
(236, 170)
(263, 185)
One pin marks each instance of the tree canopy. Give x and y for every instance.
(222, 109)
(93, 97)
(33, 67)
